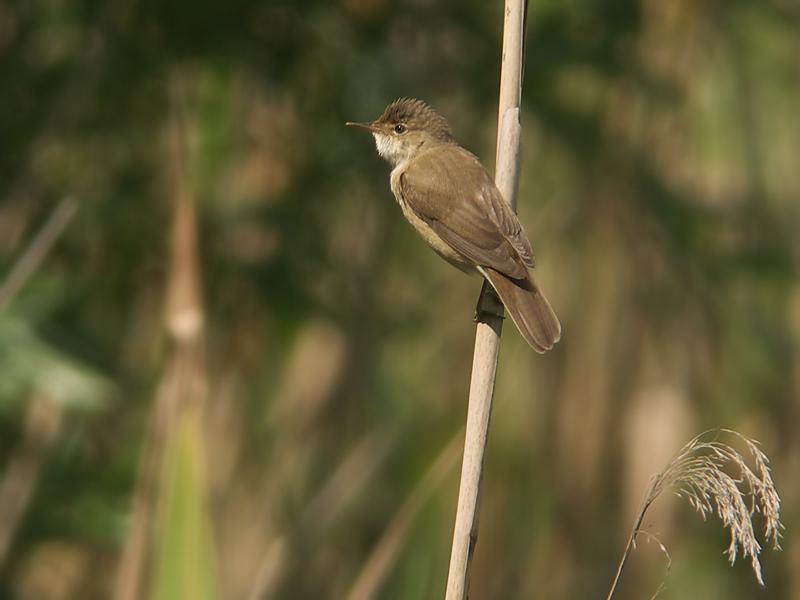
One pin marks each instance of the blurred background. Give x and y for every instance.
(229, 369)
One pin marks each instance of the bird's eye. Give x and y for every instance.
(400, 128)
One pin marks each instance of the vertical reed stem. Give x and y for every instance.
(490, 314)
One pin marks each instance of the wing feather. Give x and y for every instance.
(440, 187)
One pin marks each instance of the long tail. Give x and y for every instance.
(529, 309)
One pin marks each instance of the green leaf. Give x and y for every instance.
(184, 550)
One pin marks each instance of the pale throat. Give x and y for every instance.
(391, 148)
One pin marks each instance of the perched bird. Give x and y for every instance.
(450, 199)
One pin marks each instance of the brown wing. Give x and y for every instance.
(508, 223)
(451, 191)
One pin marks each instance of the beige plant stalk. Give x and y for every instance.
(716, 479)
(490, 322)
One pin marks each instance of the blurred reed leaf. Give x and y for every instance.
(28, 362)
(184, 550)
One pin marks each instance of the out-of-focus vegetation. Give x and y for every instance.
(238, 374)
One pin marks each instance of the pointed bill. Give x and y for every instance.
(367, 126)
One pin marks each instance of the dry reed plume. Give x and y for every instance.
(701, 473)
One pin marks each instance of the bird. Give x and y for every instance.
(451, 200)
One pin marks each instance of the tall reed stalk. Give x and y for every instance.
(490, 313)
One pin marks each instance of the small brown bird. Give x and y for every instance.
(450, 199)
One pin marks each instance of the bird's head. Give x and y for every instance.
(406, 127)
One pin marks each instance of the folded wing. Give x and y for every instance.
(451, 191)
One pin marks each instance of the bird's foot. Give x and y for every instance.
(489, 304)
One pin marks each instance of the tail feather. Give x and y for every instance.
(528, 308)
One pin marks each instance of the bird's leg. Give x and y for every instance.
(489, 304)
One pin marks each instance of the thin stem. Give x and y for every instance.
(38, 249)
(631, 541)
(384, 555)
(489, 327)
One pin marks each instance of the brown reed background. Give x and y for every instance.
(234, 372)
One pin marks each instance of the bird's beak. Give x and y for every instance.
(368, 126)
